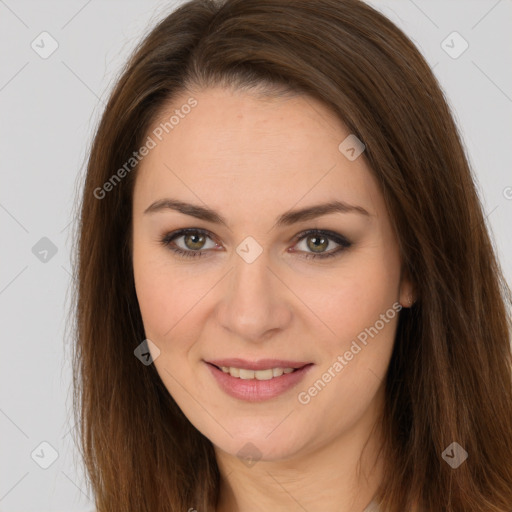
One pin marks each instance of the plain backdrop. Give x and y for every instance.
(49, 109)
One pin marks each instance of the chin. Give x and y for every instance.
(262, 444)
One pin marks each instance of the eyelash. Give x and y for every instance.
(330, 235)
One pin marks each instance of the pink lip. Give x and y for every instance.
(253, 390)
(261, 364)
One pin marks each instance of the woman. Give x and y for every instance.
(287, 296)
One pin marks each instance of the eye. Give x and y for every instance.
(192, 242)
(317, 241)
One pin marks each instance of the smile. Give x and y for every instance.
(257, 381)
(244, 373)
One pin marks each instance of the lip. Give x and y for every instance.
(253, 390)
(261, 364)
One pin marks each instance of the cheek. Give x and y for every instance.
(354, 297)
(360, 314)
(163, 293)
(173, 300)
(165, 312)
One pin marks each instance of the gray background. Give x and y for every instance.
(50, 107)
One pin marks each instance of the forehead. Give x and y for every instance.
(239, 147)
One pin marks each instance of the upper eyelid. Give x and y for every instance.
(183, 232)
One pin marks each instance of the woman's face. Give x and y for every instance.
(270, 278)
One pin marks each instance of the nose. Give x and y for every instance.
(255, 303)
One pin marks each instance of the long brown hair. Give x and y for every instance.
(449, 378)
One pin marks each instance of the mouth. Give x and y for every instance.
(248, 374)
(259, 380)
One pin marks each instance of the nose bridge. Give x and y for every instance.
(254, 302)
(251, 281)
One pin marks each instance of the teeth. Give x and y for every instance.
(243, 373)
(246, 374)
(264, 374)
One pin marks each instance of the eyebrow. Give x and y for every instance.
(286, 219)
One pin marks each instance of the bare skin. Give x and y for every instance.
(251, 160)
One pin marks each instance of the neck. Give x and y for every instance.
(342, 474)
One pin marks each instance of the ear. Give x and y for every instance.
(407, 295)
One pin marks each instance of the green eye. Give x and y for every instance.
(194, 243)
(193, 240)
(317, 241)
